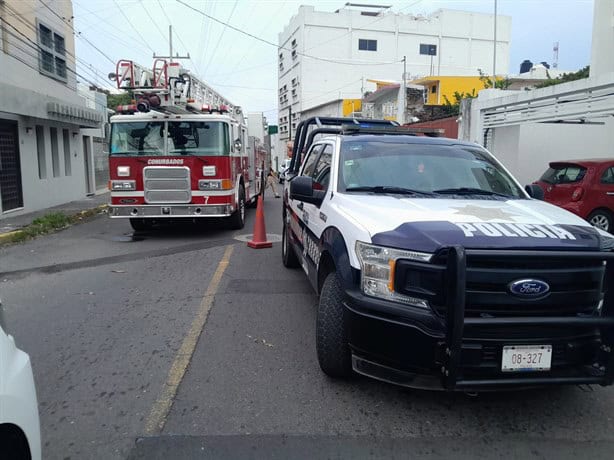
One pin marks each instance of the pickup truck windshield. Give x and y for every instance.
(430, 169)
(170, 138)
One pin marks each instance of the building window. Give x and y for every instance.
(40, 150)
(433, 89)
(52, 53)
(294, 43)
(294, 54)
(428, 50)
(55, 153)
(367, 45)
(67, 165)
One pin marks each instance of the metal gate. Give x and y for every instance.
(11, 192)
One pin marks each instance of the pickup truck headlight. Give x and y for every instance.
(377, 270)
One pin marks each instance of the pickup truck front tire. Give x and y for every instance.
(332, 344)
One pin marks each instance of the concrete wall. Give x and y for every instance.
(42, 193)
(19, 49)
(603, 38)
(33, 97)
(527, 149)
(463, 39)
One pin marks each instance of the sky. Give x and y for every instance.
(244, 69)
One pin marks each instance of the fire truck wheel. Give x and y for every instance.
(332, 345)
(237, 220)
(140, 225)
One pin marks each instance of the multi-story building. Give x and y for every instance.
(324, 56)
(45, 159)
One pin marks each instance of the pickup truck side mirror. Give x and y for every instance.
(534, 191)
(301, 189)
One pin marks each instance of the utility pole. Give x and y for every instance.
(494, 54)
(402, 98)
(170, 48)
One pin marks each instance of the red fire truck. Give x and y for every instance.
(180, 151)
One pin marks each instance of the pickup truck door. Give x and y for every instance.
(298, 218)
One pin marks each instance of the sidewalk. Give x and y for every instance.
(9, 223)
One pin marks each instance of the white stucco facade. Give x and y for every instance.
(46, 159)
(528, 129)
(320, 57)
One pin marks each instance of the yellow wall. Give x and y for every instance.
(447, 86)
(350, 106)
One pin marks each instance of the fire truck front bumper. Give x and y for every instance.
(170, 211)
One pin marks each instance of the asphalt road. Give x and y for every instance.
(185, 343)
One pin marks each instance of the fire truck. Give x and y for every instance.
(179, 151)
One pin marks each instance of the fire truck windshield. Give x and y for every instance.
(170, 138)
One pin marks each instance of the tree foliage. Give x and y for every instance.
(564, 78)
(453, 107)
(113, 100)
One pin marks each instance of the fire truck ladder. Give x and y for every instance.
(168, 85)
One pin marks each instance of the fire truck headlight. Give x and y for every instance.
(210, 185)
(123, 185)
(123, 171)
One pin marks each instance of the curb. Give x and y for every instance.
(10, 237)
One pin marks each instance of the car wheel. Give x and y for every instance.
(288, 256)
(601, 219)
(332, 344)
(237, 220)
(139, 225)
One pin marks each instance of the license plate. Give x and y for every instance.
(526, 358)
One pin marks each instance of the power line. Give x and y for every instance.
(178, 37)
(335, 61)
(116, 38)
(132, 25)
(248, 50)
(221, 35)
(38, 70)
(38, 48)
(152, 21)
(33, 27)
(78, 33)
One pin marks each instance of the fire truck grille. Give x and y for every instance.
(167, 185)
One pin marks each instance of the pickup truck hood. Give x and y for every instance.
(424, 224)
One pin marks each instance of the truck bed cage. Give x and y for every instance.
(308, 129)
(333, 126)
(392, 130)
(456, 321)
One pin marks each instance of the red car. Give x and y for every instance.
(584, 187)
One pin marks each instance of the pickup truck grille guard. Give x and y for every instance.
(456, 320)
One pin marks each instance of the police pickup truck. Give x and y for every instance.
(436, 269)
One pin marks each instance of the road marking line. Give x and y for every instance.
(159, 412)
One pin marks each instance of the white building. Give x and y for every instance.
(528, 129)
(45, 160)
(325, 56)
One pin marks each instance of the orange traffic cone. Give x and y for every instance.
(259, 240)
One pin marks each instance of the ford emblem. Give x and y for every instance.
(529, 288)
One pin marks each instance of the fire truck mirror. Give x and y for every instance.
(238, 145)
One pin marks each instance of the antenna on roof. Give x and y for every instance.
(555, 55)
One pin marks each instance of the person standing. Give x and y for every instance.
(271, 181)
